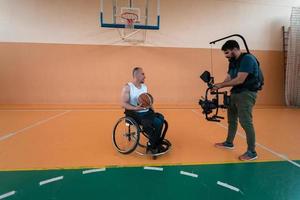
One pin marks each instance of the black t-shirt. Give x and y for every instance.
(245, 63)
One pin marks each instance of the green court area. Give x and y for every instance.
(259, 180)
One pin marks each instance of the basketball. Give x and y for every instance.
(145, 100)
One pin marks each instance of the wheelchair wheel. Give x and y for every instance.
(126, 135)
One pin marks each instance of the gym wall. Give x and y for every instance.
(54, 52)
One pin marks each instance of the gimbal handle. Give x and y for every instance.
(217, 92)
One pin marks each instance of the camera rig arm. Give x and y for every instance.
(234, 35)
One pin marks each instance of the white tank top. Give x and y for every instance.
(135, 93)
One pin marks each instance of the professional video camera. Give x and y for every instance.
(209, 105)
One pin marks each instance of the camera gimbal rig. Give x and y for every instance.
(209, 105)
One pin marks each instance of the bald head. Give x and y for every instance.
(135, 71)
(138, 74)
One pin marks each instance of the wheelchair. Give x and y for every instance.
(126, 137)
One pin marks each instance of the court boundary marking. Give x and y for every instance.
(181, 172)
(9, 135)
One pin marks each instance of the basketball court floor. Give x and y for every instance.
(67, 153)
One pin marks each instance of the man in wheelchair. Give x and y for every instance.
(151, 122)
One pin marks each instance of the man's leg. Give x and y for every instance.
(150, 131)
(232, 119)
(158, 123)
(134, 115)
(245, 106)
(150, 127)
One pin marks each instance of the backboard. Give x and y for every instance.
(147, 11)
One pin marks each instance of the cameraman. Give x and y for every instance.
(241, 76)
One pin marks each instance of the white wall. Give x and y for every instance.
(188, 23)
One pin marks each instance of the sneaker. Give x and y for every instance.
(150, 149)
(162, 149)
(248, 155)
(224, 145)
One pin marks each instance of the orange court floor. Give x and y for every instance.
(65, 138)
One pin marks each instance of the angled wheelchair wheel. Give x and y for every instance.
(126, 135)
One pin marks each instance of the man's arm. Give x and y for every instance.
(228, 78)
(125, 97)
(241, 77)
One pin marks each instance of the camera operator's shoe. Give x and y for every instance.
(248, 155)
(224, 145)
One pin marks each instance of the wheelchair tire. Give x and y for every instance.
(128, 130)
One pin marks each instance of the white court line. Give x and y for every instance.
(31, 126)
(27, 110)
(189, 174)
(51, 180)
(96, 110)
(7, 194)
(284, 157)
(79, 109)
(93, 171)
(229, 186)
(154, 168)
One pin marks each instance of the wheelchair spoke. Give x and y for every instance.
(125, 135)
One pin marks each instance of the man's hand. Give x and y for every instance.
(216, 87)
(137, 108)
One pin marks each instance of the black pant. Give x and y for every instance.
(152, 125)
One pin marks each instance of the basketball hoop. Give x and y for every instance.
(130, 18)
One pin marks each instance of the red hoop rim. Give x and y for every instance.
(130, 20)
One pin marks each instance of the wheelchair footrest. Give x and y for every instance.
(165, 143)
